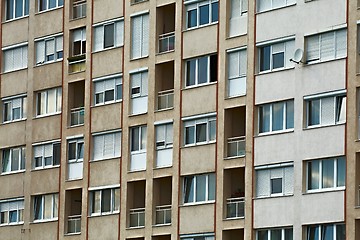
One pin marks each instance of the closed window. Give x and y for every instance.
(201, 130)
(326, 232)
(49, 4)
(108, 35)
(47, 155)
(14, 109)
(16, 8)
(326, 173)
(237, 20)
(199, 188)
(45, 207)
(139, 92)
(15, 58)
(326, 46)
(202, 70)
(138, 139)
(76, 150)
(277, 116)
(11, 211)
(13, 159)
(78, 41)
(107, 145)
(274, 180)
(325, 109)
(264, 5)
(140, 36)
(199, 13)
(236, 73)
(108, 89)
(48, 101)
(164, 136)
(49, 49)
(104, 201)
(276, 56)
(275, 234)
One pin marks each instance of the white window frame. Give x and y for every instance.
(25, 10)
(56, 50)
(167, 142)
(9, 65)
(271, 5)
(239, 74)
(102, 137)
(57, 101)
(113, 208)
(144, 37)
(320, 231)
(59, 3)
(269, 231)
(198, 236)
(82, 40)
(54, 207)
(10, 101)
(99, 32)
(194, 179)
(5, 210)
(208, 71)
(142, 146)
(43, 148)
(195, 5)
(110, 83)
(194, 122)
(77, 141)
(21, 163)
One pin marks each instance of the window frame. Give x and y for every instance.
(118, 82)
(103, 135)
(321, 227)
(19, 211)
(193, 123)
(21, 160)
(10, 50)
(58, 4)
(54, 207)
(23, 108)
(77, 142)
(116, 42)
(142, 146)
(43, 156)
(168, 127)
(144, 38)
(113, 201)
(270, 8)
(196, 5)
(270, 230)
(57, 102)
(82, 41)
(209, 70)
(24, 10)
(194, 180)
(239, 53)
(57, 52)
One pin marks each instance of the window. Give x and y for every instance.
(201, 130)
(275, 234)
(45, 207)
(107, 145)
(201, 70)
(48, 101)
(47, 155)
(13, 159)
(199, 188)
(16, 8)
(199, 13)
(75, 158)
(140, 36)
(200, 236)
(138, 139)
(277, 116)
(326, 232)
(275, 180)
(79, 42)
(264, 5)
(238, 9)
(108, 89)
(15, 58)
(49, 4)
(49, 49)
(139, 92)
(104, 201)
(236, 73)
(326, 46)
(164, 136)
(108, 35)
(12, 211)
(326, 173)
(276, 56)
(78, 9)
(14, 108)
(326, 109)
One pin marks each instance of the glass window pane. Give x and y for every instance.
(48, 206)
(203, 70)
(9, 9)
(99, 98)
(201, 132)
(190, 72)
(135, 141)
(313, 233)
(289, 114)
(109, 95)
(264, 118)
(55, 205)
(215, 12)
(13, 216)
(328, 232)
(117, 199)
(188, 189)
(211, 188)
(7, 111)
(192, 18)
(276, 234)
(328, 173)
(212, 130)
(314, 112)
(106, 200)
(80, 153)
(109, 35)
(276, 185)
(313, 174)
(204, 14)
(95, 202)
(72, 151)
(340, 232)
(277, 116)
(200, 188)
(118, 92)
(340, 109)
(189, 135)
(143, 137)
(341, 172)
(15, 159)
(18, 8)
(52, 3)
(278, 60)
(38, 207)
(265, 58)
(289, 234)
(4, 217)
(51, 101)
(262, 235)
(6, 161)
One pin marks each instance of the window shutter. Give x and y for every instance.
(13, 205)
(16, 103)
(117, 143)
(59, 43)
(312, 48)
(119, 33)
(234, 65)
(99, 86)
(145, 37)
(327, 111)
(264, 5)
(4, 207)
(98, 38)
(262, 183)
(24, 51)
(278, 3)
(341, 43)
(38, 151)
(98, 147)
(109, 145)
(144, 83)
(327, 46)
(169, 133)
(160, 133)
(276, 173)
(243, 63)
(40, 52)
(48, 150)
(235, 8)
(50, 46)
(136, 80)
(136, 30)
(109, 84)
(244, 6)
(18, 58)
(8, 60)
(289, 180)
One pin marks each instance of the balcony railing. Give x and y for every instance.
(166, 42)
(163, 215)
(235, 207)
(74, 224)
(236, 146)
(137, 217)
(77, 116)
(77, 63)
(166, 99)
(79, 9)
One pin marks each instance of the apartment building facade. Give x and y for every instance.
(179, 119)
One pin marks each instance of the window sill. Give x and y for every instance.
(107, 49)
(74, 179)
(198, 85)
(15, 70)
(275, 132)
(234, 157)
(48, 10)
(75, 19)
(235, 96)
(104, 159)
(46, 115)
(139, 58)
(324, 61)
(72, 234)
(136, 171)
(11, 224)
(103, 214)
(162, 167)
(164, 109)
(233, 218)
(106, 103)
(323, 126)
(132, 228)
(274, 196)
(200, 26)
(273, 9)
(44, 221)
(274, 71)
(197, 203)
(15, 19)
(324, 190)
(198, 144)
(137, 114)
(14, 121)
(44, 168)
(162, 225)
(48, 62)
(13, 172)
(236, 36)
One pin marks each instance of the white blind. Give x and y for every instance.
(135, 80)
(8, 60)
(289, 53)
(243, 62)
(16, 103)
(98, 146)
(341, 43)
(48, 150)
(40, 52)
(136, 34)
(235, 8)
(169, 133)
(144, 83)
(160, 133)
(276, 173)
(38, 151)
(117, 140)
(262, 183)
(59, 43)
(233, 58)
(312, 48)
(50, 47)
(108, 145)
(109, 84)
(98, 38)
(145, 38)
(327, 42)
(119, 33)
(327, 111)
(289, 180)
(99, 86)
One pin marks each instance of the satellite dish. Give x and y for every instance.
(298, 55)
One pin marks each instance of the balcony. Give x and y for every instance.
(77, 63)
(79, 9)
(165, 99)
(166, 42)
(235, 208)
(163, 215)
(137, 217)
(77, 116)
(236, 146)
(74, 224)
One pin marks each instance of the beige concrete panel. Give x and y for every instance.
(104, 172)
(205, 42)
(165, 115)
(45, 27)
(107, 62)
(234, 224)
(46, 128)
(197, 219)
(15, 32)
(14, 83)
(199, 100)
(198, 159)
(271, 207)
(166, 57)
(12, 134)
(106, 117)
(47, 76)
(38, 186)
(11, 232)
(107, 9)
(44, 230)
(12, 185)
(163, 2)
(314, 203)
(99, 227)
